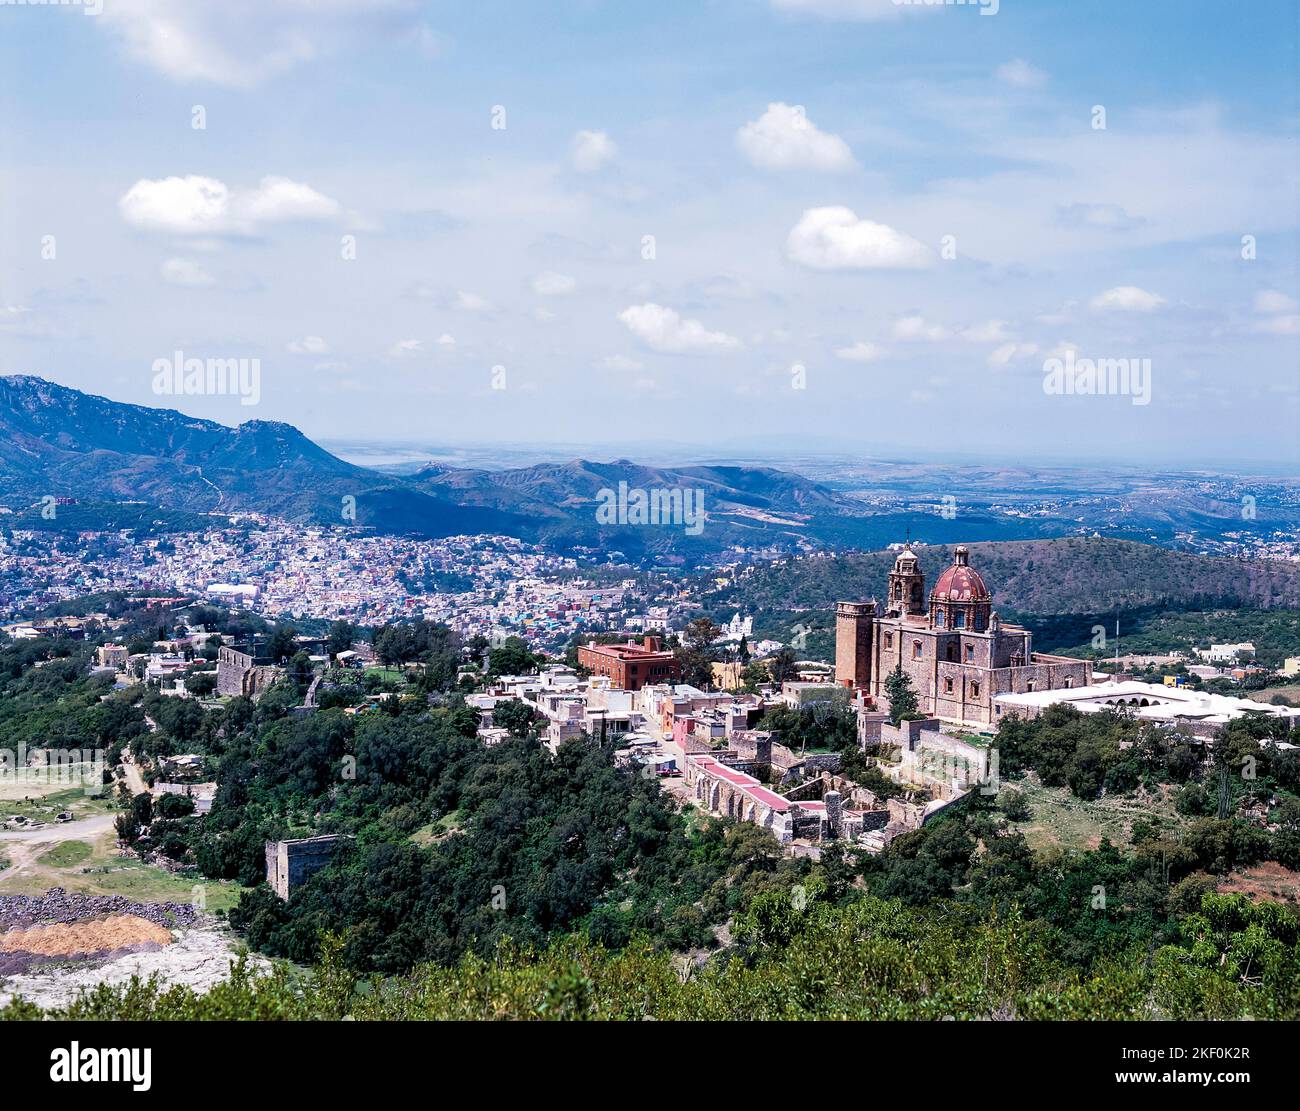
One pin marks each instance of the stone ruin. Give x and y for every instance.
(290, 863)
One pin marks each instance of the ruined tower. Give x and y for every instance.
(853, 621)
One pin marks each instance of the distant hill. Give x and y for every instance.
(1071, 575)
(55, 440)
(750, 506)
(62, 442)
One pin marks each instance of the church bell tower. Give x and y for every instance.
(906, 586)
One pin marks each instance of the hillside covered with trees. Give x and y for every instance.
(1066, 576)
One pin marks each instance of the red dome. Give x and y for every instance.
(961, 584)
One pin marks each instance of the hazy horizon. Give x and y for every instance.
(833, 221)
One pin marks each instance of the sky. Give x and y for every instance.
(849, 224)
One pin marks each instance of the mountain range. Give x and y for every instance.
(134, 466)
(62, 442)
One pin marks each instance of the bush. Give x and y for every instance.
(1194, 801)
(1014, 805)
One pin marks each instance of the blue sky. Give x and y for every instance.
(805, 168)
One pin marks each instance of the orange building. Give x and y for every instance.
(630, 666)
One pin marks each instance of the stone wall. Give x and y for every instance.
(290, 863)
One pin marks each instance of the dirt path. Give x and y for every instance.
(23, 846)
(134, 780)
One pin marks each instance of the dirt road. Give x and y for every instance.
(23, 846)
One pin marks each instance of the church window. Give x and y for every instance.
(938, 618)
(959, 621)
(889, 640)
(1029, 686)
(916, 649)
(947, 686)
(970, 653)
(974, 690)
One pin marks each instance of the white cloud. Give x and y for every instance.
(990, 331)
(592, 150)
(20, 321)
(308, 345)
(406, 347)
(1127, 298)
(185, 272)
(551, 284)
(1011, 352)
(1062, 350)
(784, 138)
(620, 362)
(1108, 217)
(860, 352)
(240, 43)
(1021, 74)
(1274, 301)
(662, 329)
(835, 239)
(1281, 325)
(470, 302)
(446, 340)
(204, 206)
(277, 200)
(917, 327)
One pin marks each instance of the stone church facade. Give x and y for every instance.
(951, 644)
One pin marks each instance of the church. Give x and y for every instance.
(952, 645)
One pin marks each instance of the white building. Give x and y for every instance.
(1227, 653)
(1148, 701)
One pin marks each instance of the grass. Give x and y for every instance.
(1059, 820)
(96, 868)
(42, 804)
(1289, 691)
(979, 740)
(434, 832)
(66, 854)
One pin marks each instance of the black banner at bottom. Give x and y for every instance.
(336, 1059)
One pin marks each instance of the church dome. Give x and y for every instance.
(961, 582)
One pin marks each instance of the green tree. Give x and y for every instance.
(902, 698)
(513, 714)
(341, 635)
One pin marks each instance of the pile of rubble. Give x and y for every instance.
(58, 905)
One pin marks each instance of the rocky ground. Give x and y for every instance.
(55, 945)
(57, 905)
